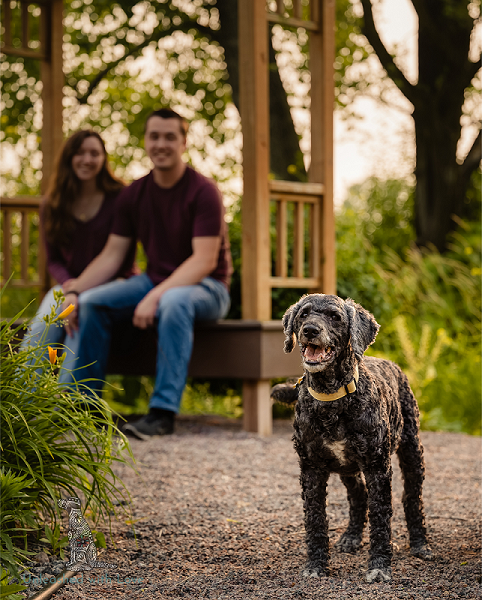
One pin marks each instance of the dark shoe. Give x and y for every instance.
(151, 424)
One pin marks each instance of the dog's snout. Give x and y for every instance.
(310, 330)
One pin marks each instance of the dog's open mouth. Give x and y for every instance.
(316, 354)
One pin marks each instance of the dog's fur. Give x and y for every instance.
(353, 436)
(83, 553)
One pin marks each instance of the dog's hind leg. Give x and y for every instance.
(313, 483)
(357, 495)
(410, 456)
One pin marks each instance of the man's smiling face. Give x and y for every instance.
(164, 142)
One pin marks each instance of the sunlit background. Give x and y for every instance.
(123, 60)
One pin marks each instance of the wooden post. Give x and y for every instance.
(253, 56)
(322, 56)
(257, 407)
(255, 288)
(256, 277)
(52, 93)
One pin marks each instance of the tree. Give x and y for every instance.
(102, 43)
(194, 44)
(445, 80)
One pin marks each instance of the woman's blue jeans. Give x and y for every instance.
(53, 336)
(179, 307)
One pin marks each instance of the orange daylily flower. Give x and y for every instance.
(52, 355)
(66, 312)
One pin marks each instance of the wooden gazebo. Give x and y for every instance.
(256, 341)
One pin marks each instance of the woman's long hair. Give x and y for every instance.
(65, 188)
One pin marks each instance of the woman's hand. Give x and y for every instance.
(71, 321)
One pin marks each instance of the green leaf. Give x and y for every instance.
(99, 539)
(9, 589)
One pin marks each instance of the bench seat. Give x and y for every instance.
(248, 350)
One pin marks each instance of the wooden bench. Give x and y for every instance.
(248, 350)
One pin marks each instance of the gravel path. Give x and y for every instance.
(219, 515)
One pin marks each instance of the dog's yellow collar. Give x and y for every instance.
(343, 391)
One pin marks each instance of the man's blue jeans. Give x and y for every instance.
(179, 307)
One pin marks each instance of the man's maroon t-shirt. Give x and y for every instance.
(86, 241)
(166, 220)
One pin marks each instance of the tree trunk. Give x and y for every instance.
(445, 72)
(437, 193)
(441, 182)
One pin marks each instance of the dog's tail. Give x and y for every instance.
(286, 393)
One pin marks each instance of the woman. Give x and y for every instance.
(75, 221)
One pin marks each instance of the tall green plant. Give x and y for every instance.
(428, 304)
(53, 443)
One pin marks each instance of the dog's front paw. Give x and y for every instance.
(422, 551)
(315, 569)
(349, 543)
(378, 575)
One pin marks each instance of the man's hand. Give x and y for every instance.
(71, 323)
(145, 312)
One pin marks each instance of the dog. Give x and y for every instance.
(352, 412)
(83, 553)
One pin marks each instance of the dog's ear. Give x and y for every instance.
(288, 322)
(363, 327)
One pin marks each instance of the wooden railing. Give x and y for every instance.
(303, 236)
(298, 268)
(26, 29)
(294, 15)
(19, 217)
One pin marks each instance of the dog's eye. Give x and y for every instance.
(334, 316)
(304, 313)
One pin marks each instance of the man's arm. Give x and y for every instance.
(100, 270)
(104, 266)
(194, 269)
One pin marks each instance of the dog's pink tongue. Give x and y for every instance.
(314, 352)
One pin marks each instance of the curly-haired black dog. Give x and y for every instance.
(352, 413)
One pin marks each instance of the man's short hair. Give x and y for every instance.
(168, 113)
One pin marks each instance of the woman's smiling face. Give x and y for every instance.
(88, 161)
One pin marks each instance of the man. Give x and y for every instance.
(178, 215)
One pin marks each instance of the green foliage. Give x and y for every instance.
(55, 540)
(99, 539)
(421, 363)
(52, 443)
(124, 59)
(17, 498)
(179, 64)
(127, 394)
(198, 399)
(384, 212)
(428, 304)
(8, 591)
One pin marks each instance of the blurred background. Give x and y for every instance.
(407, 161)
